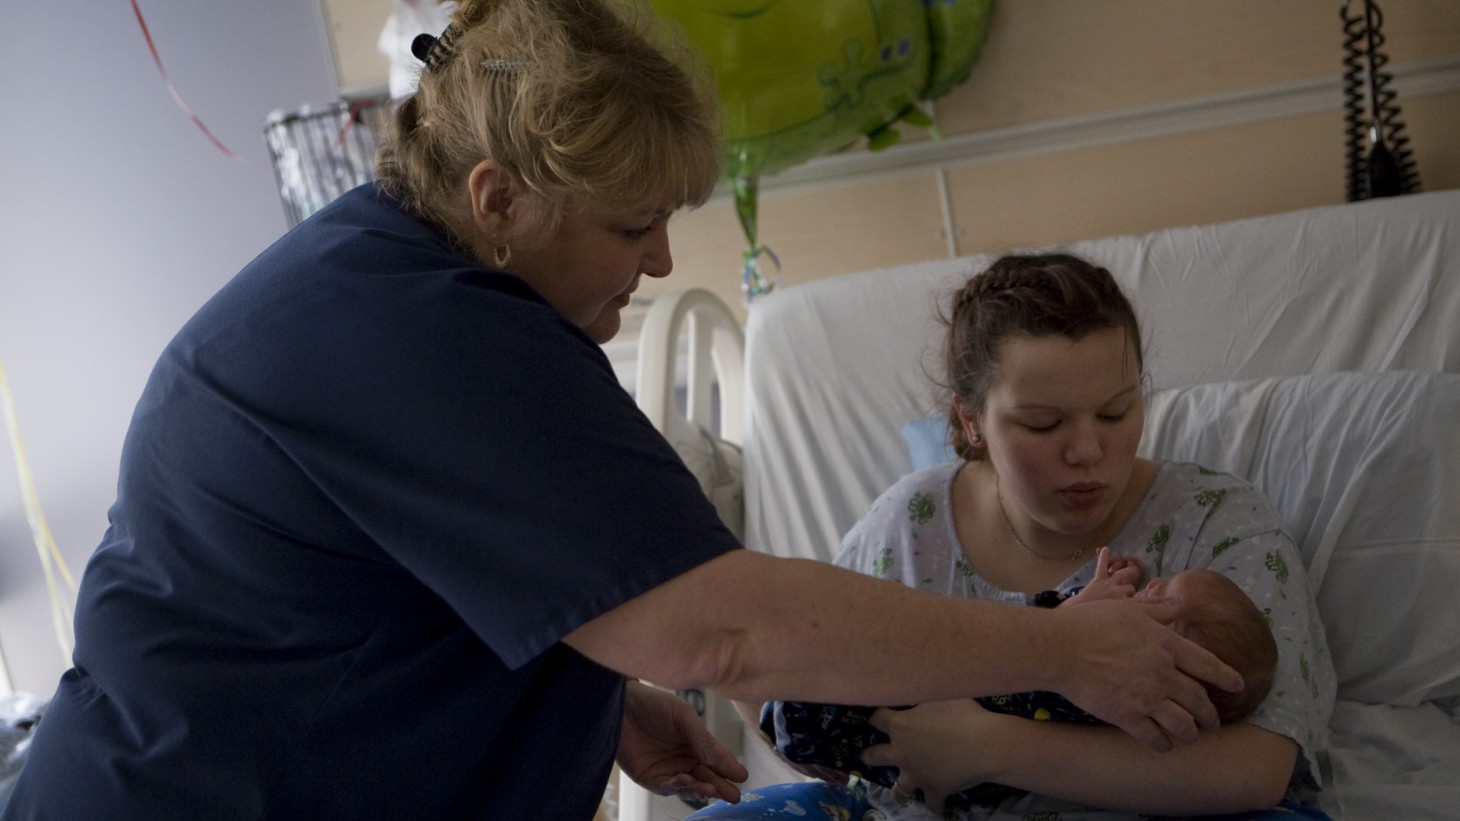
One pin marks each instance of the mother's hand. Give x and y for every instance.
(940, 747)
(1130, 670)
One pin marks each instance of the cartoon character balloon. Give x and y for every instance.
(802, 78)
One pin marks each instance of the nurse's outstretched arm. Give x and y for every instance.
(754, 627)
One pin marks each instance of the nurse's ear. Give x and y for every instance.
(493, 192)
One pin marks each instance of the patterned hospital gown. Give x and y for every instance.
(1191, 518)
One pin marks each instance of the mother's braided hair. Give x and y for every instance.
(1029, 295)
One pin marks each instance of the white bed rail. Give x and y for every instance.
(707, 433)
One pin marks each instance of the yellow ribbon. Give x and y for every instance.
(50, 556)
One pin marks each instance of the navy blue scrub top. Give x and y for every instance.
(367, 490)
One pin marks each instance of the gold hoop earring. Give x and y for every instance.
(502, 254)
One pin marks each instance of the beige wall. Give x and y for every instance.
(1075, 66)
(354, 28)
(1051, 60)
(1060, 58)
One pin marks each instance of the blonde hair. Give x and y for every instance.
(588, 102)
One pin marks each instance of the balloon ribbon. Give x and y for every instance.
(176, 97)
(753, 282)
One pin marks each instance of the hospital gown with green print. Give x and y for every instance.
(1191, 518)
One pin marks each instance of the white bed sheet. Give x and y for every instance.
(1365, 468)
(835, 366)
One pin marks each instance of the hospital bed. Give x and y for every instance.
(1316, 353)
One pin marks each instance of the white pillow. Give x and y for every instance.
(1365, 470)
(928, 442)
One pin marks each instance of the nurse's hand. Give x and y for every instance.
(666, 749)
(1129, 669)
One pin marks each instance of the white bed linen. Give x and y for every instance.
(834, 367)
(1365, 469)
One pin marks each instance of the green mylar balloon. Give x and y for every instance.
(801, 78)
(957, 29)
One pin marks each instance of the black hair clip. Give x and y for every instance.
(422, 45)
(435, 51)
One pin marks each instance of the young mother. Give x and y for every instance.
(390, 541)
(1045, 369)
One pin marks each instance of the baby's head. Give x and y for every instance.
(1216, 614)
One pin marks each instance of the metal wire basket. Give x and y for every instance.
(319, 154)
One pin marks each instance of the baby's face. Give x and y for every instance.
(1182, 586)
(1186, 585)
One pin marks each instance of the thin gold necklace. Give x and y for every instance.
(998, 491)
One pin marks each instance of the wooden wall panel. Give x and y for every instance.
(816, 232)
(1433, 125)
(1144, 185)
(1048, 59)
(354, 28)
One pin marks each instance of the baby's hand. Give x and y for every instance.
(1115, 578)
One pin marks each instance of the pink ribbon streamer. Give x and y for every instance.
(176, 97)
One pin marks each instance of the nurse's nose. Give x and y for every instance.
(657, 261)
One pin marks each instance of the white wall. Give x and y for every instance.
(117, 219)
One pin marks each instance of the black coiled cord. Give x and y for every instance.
(1377, 156)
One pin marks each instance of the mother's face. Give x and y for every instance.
(1062, 422)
